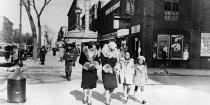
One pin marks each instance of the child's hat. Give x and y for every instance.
(141, 57)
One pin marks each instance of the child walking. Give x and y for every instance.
(140, 78)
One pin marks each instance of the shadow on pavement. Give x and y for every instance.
(118, 96)
(77, 94)
(98, 96)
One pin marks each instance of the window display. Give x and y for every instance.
(176, 47)
(171, 45)
(163, 45)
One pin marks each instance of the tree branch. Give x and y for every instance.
(24, 3)
(34, 6)
(45, 4)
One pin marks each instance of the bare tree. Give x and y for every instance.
(32, 3)
(48, 35)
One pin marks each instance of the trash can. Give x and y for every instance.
(16, 87)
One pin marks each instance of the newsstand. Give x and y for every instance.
(16, 87)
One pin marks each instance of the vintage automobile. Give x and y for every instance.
(5, 55)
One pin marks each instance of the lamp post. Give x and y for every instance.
(20, 63)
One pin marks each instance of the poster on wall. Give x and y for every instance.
(163, 45)
(177, 47)
(205, 44)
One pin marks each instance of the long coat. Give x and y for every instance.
(42, 54)
(127, 71)
(109, 79)
(89, 77)
(140, 75)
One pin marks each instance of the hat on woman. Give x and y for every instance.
(112, 45)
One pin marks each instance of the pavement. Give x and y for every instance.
(46, 85)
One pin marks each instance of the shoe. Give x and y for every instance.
(126, 101)
(107, 103)
(144, 101)
(84, 101)
(68, 79)
(89, 103)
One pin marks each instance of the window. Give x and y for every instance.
(171, 10)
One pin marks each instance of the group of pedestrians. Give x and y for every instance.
(118, 67)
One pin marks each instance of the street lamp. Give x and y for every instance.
(20, 62)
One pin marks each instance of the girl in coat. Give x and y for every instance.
(140, 77)
(109, 61)
(89, 61)
(126, 74)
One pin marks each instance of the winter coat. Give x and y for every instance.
(140, 75)
(127, 71)
(109, 79)
(89, 77)
(61, 52)
(42, 54)
(69, 57)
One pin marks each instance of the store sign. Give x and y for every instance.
(122, 32)
(135, 29)
(116, 24)
(109, 36)
(114, 7)
(205, 44)
(121, 24)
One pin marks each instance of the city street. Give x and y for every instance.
(46, 85)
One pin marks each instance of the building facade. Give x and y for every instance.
(163, 24)
(114, 22)
(181, 27)
(5, 30)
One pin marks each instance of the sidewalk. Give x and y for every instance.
(46, 86)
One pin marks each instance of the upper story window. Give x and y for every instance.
(171, 10)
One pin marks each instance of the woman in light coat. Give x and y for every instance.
(140, 77)
(109, 62)
(126, 74)
(61, 53)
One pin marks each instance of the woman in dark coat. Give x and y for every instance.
(43, 52)
(108, 61)
(89, 61)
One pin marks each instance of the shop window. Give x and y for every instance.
(173, 45)
(171, 10)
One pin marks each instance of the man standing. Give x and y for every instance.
(43, 52)
(69, 57)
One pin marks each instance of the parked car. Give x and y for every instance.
(5, 55)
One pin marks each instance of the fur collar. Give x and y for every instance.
(90, 53)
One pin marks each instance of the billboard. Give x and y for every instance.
(205, 44)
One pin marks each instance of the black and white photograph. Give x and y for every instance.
(104, 52)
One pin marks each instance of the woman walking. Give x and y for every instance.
(126, 74)
(109, 60)
(140, 78)
(89, 61)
